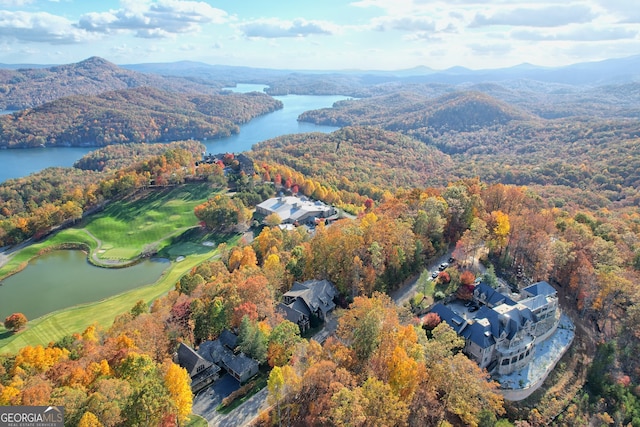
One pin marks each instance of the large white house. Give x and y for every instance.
(292, 209)
(502, 334)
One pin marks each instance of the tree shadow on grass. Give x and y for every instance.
(5, 334)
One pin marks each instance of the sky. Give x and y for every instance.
(321, 34)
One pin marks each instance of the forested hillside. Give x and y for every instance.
(132, 115)
(499, 174)
(25, 88)
(362, 160)
(501, 143)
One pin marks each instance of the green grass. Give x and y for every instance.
(126, 227)
(196, 421)
(71, 235)
(177, 241)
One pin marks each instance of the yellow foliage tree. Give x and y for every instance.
(501, 228)
(249, 258)
(178, 382)
(235, 259)
(39, 358)
(402, 374)
(89, 420)
(9, 396)
(89, 334)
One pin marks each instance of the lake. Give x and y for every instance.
(16, 163)
(62, 279)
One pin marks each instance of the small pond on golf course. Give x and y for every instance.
(64, 278)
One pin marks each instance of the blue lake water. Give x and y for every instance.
(64, 278)
(21, 162)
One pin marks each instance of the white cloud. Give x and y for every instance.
(154, 20)
(578, 34)
(625, 11)
(40, 27)
(404, 23)
(277, 28)
(550, 16)
(15, 3)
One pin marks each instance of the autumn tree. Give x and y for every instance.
(282, 343)
(177, 381)
(272, 220)
(283, 383)
(447, 369)
(430, 321)
(465, 289)
(222, 213)
(15, 322)
(89, 420)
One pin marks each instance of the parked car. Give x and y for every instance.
(443, 266)
(473, 308)
(434, 274)
(452, 259)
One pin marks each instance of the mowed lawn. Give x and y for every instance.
(162, 217)
(125, 228)
(22, 257)
(54, 326)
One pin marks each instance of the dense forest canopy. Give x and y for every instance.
(538, 180)
(132, 115)
(30, 87)
(500, 143)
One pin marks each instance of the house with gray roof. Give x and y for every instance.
(304, 300)
(295, 210)
(542, 300)
(501, 336)
(224, 352)
(201, 371)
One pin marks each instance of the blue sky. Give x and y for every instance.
(321, 34)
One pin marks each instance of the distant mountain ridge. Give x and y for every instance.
(25, 88)
(609, 71)
(29, 87)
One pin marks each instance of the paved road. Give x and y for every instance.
(402, 295)
(206, 401)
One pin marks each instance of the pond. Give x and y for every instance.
(62, 279)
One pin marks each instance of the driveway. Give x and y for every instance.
(208, 399)
(402, 295)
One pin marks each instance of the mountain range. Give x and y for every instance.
(23, 86)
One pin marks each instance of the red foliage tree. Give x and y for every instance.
(368, 204)
(15, 322)
(467, 278)
(431, 320)
(444, 277)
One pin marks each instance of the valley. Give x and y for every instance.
(536, 181)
